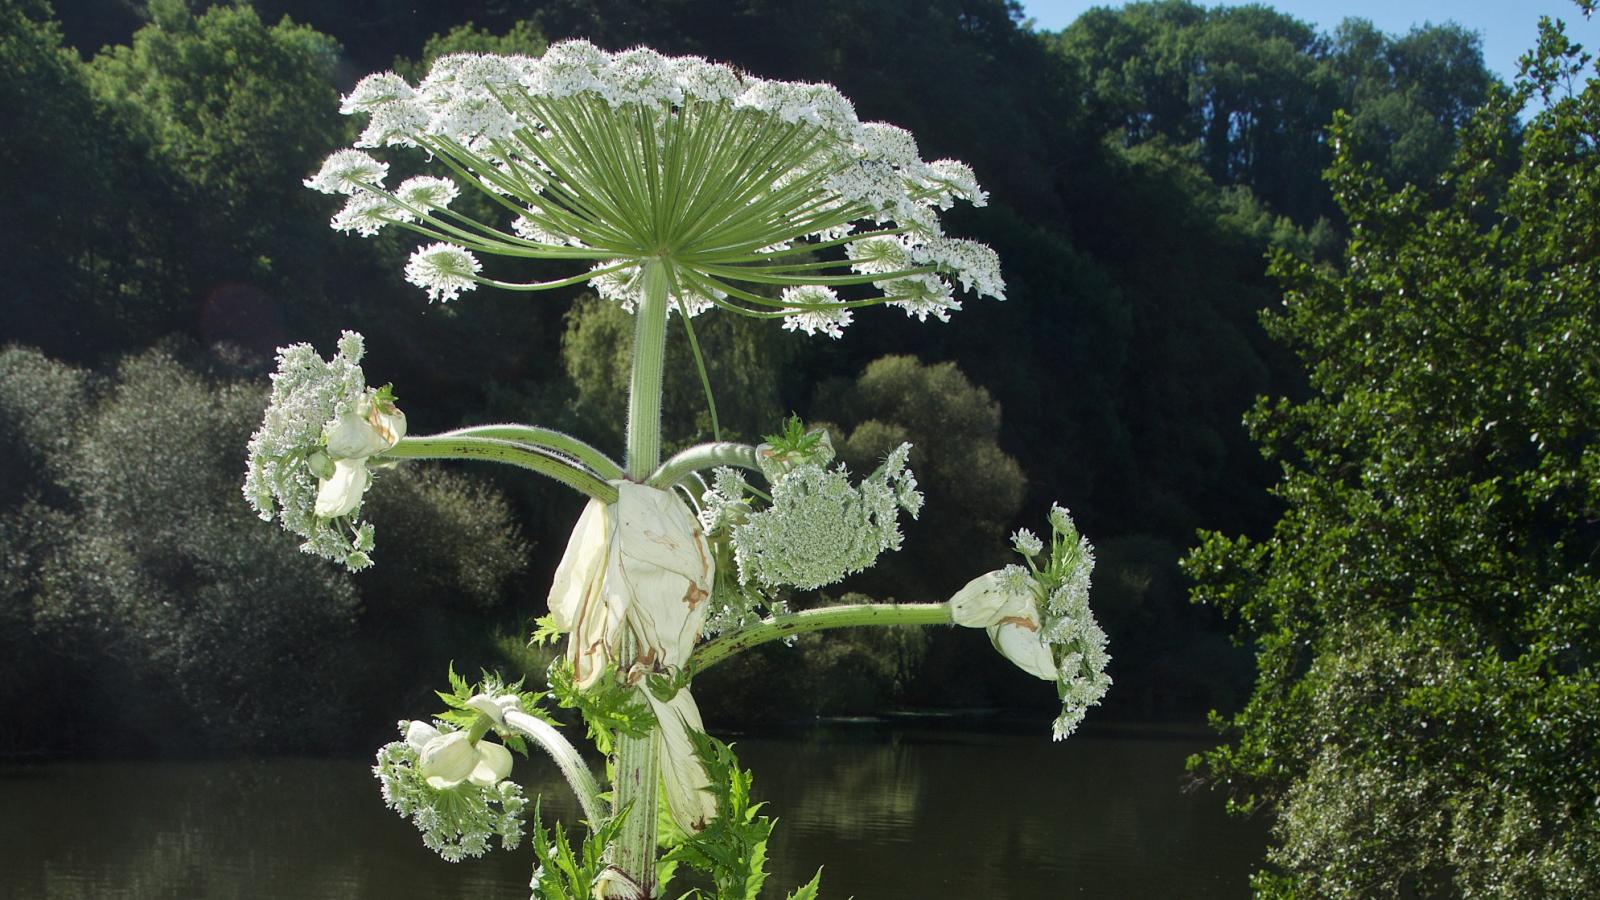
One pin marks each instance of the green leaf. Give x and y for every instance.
(808, 891)
(608, 707)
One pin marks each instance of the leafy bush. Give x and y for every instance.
(137, 574)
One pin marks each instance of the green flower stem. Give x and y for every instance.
(496, 450)
(848, 616)
(703, 456)
(638, 769)
(567, 760)
(549, 439)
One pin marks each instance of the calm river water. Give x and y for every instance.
(895, 811)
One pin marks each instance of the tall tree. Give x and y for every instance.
(1425, 717)
(232, 113)
(77, 276)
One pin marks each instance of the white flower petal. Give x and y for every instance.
(1018, 639)
(983, 601)
(578, 602)
(489, 706)
(662, 561)
(418, 734)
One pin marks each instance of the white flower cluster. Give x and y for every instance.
(369, 206)
(591, 145)
(820, 527)
(457, 816)
(974, 264)
(815, 310)
(1039, 617)
(307, 462)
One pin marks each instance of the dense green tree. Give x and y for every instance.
(1425, 718)
(1408, 95)
(1241, 83)
(523, 37)
(230, 113)
(1193, 356)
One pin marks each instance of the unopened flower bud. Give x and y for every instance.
(418, 734)
(775, 462)
(320, 464)
(370, 428)
(494, 764)
(448, 760)
(1002, 602)
(984, 600)
(1018, 639)
(340, 494)
(642, 562)
(495, 707)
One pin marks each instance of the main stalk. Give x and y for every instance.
(638, 768)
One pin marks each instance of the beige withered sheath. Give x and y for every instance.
(642, 564)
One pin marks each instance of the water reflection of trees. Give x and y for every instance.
(890, 812)
(931, 813)
(295, 828)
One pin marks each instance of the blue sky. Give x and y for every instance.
(1508, 27)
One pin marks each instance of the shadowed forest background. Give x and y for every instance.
(1304, 328)
(1142, 164)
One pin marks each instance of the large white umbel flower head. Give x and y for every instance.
(741, 187)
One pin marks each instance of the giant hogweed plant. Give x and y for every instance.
(673, 187)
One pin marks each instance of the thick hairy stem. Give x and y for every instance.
(848, 616)
(502, 451)
(567, 760)
(644, 388)
(703, 456)
(637, 768)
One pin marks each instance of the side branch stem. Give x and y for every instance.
(502, 451)
(566, 758)
(703, 456)
(847, 616)
(549, 439)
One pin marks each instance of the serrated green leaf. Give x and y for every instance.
(808, 891)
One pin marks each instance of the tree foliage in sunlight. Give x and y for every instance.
(231, 106)
(1252, 89)
(1425, 715)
